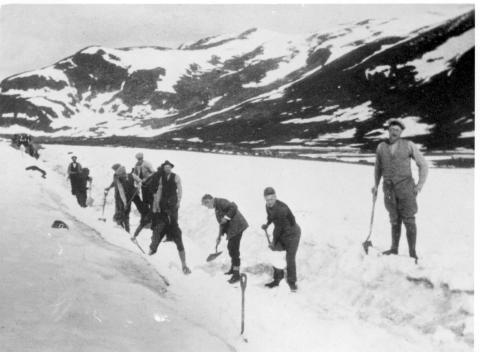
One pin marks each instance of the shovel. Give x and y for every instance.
(268, 238)
(103, 208)
(214, 255)
(243, 285)
(367, 242)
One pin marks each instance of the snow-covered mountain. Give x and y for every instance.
(262, 90)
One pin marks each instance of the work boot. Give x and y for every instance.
(412, 240)
(293, 286)
(230, 272)
(235, 277)
(396, 232)
(278, 275)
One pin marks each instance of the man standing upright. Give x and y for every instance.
(142, 170)
(166, 202)
(74, 174)
(286, 237)
(232, 223)
(393, 163)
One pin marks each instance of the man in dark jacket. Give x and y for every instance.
(232, 223)
(166, 202)
(84, 182)
(74, 170)
(393, 164)
(286, 236)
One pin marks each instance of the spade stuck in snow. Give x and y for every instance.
(367, 242)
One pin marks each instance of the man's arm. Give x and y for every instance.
(229, 208)
(178, 181)
(378, 167)
(156, 197)
(421, 163)
(281, 213)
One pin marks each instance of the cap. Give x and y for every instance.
(166, 162)
(396, 122)
(268, 191)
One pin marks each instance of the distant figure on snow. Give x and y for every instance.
(393, 163)
(286, 237)
(84, 183)
(74, 170)
(233, 224)
(124, 191)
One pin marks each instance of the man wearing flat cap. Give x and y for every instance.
(393, 163)
(286, 237)
(141, 172)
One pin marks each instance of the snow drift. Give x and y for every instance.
(346, 301)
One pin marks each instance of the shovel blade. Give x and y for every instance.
(365, 246)
(213, 256)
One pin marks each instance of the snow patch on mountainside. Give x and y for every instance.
(441, 58)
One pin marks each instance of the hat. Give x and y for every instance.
(268, 191)
(396, 122)
(166, 162)
(139, 155)
(116, 166)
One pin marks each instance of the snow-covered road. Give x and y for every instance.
(345, 302)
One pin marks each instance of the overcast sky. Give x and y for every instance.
(33, 36)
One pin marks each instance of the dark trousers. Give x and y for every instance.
(401, 204)
(234, 249)
(162, 224)
(290, 243)
(74, 182)
(147, 198)
(141, 206)
(82, 198)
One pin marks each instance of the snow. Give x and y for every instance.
(346, 301)
(357, 113)
(413, 127)
(48, 72)
(12, 129)
(468, 134)
(213, 101)
(72, 290)
(438, 60)
(380, 69)
(350, 133)
(195, 140)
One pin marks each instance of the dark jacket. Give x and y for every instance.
(229, 210)
(284, 220)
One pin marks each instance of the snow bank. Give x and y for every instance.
(70, 290)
